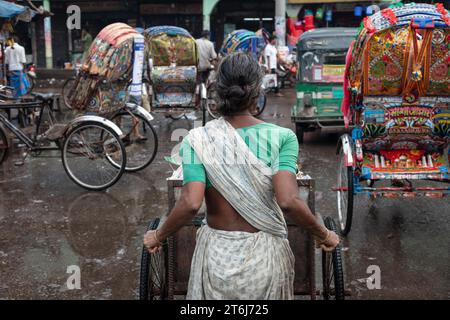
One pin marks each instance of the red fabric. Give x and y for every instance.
(309, 22)
(389, 15)
(345, 106)
(368, 25)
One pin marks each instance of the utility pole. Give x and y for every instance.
(48, 37)
(280, 21)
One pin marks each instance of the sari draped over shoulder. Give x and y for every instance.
(235, 264)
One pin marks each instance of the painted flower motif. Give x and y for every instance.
(440, 71)
(392, 71)
(376, 85)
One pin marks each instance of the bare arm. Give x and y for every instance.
(185, 209)
(286, 193)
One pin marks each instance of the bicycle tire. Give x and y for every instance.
(146, 282)
(66, 90)
(77, 180)
(337, 269)
(3, 145)
(149, 160)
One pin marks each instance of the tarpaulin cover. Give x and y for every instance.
(9, 10)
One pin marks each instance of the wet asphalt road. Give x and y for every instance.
(47, 224)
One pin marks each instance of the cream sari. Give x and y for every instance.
(240, 265)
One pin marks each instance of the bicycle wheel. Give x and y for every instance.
(86, 153)
(66, 91)
(344, 194)
(153, 275)
(140, 140)
(3, 145)
(332, 269)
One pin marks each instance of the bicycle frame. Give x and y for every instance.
(24, 138)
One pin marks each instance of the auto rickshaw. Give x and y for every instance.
(321, 58)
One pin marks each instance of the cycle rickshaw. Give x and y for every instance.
(398, 82)
(174, 87)
(109, 85)
(164, 275)
(93, 154)
(238, 41)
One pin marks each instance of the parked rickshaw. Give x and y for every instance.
(164, 275)
(92, 152)
(109, 85)
(239, 41)
(398, 99)
(321, 64)
(174, 86)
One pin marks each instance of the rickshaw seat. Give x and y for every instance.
(174, 85)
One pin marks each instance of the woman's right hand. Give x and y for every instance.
(329, 243)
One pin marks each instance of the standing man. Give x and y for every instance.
(271, 57)
(15, 59)
(206, 55)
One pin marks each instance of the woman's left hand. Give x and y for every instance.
(151, 241)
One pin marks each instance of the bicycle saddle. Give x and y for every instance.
(44, 96)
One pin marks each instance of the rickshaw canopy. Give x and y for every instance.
(402, 51)
(170, 45)
(243, 40)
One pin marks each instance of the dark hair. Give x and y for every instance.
(205, 34)
(238, 83)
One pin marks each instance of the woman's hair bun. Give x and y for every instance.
(238, 83)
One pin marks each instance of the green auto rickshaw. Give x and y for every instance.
(321, 65)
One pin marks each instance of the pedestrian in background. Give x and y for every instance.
(206, 54)
(15, 59)
(271, 57)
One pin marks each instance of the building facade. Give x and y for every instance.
(219, 16)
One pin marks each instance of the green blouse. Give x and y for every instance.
(276, 146)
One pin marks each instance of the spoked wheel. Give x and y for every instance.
(66, 91)
(140, 140)
(344, 194)
(153, 276)
(3, 145)
(86, 155)
(332, 269)
(261, 104)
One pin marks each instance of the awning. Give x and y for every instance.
(10, 10)
(324, 1)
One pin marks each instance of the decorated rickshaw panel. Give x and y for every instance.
(439, 83)
(385, 59)
(166, 49)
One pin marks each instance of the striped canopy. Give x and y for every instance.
(242, 40)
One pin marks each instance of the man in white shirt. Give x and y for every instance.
(271, 57)
(206, 54)
(15, 59)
